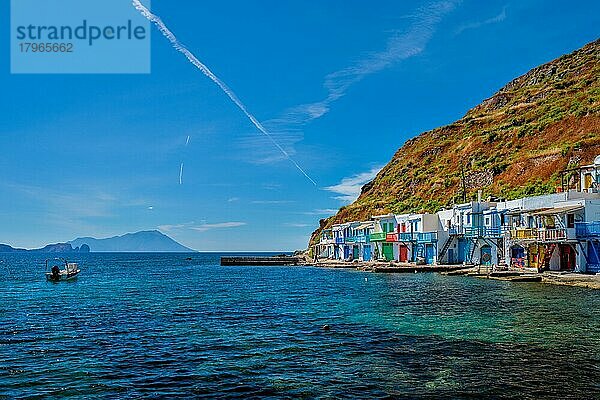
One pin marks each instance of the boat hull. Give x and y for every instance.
(62, 276)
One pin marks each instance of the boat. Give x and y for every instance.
(56, 274)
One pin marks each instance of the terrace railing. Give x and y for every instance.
(391, 237)
(483, 232)
(378, 237)
(456, 230)
(552, 235)
(524, 234)
(587, 229)
(406, 237)
(426, 237)
(362, 238)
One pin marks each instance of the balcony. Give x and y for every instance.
(378, 237)
(483, 232)
(339, 240)
(587, 229)
(362, 238)
(427, 237)
(455, 231)
(405, 237)
(524, 234)
(552, 235)
(474, 231)
(391, 237)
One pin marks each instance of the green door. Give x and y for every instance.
(388, 251)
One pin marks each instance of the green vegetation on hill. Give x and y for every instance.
(513, 144)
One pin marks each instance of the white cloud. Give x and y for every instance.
(169, 228)
(474, 25)
(79, 203)
(295, 225)
(322, 211)
(220, 225)
(233, 199)
(349, 188)
(272, 201)
(259, 150)
(399, 47)
(202, 227)
(287, 128)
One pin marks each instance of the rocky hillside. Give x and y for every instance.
(511, 145)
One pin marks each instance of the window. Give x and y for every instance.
(468, 218)
(570, 220)
(391, 228)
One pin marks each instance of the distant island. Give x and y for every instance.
(144, 241)
(51, 248)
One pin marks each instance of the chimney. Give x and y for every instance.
(479, 193)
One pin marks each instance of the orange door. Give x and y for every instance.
(403, 253)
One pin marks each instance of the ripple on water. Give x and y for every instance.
(152, 325)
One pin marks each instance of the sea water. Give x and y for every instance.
(165, 326)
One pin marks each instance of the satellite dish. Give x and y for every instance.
(597, 160)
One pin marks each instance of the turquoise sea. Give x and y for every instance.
(161, 326)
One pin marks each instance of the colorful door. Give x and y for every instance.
(429, 254)
(403, 253)
(367, 253)
(388, 251)
(346, 252)
(486, 255)
(567, 258)
(517, 256)
(355, 252)
(462, 246)
(593, 264)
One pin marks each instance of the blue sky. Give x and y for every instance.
(339, 84)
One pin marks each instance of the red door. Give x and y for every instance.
(403, 253)
(567, 258)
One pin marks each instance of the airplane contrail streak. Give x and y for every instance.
(187, 140)
(181, 174)
(192, 59)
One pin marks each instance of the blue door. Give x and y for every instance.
(336, 252)
(346, 252)
(429, 254)
(486, 255)
(451, 256)
(462, 246)
(593, 258)
(355, 252)
(367, 253)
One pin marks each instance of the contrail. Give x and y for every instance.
(181, 174)
(187, 140)
(192, 59)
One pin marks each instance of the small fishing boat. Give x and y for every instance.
(56, 274)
